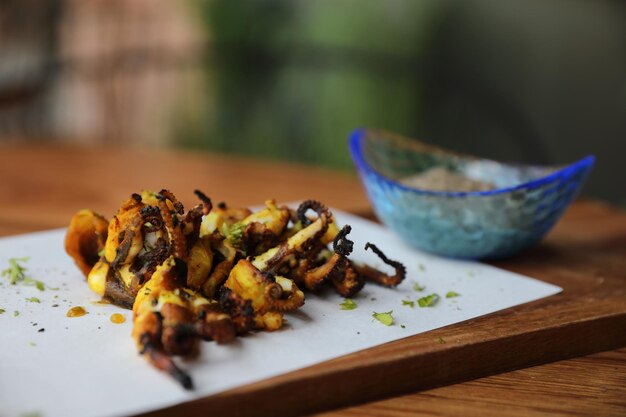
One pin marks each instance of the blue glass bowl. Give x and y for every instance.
(522, 205)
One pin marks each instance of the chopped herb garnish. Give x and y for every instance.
(34, 282)
(101, 253)
(15, 271)
(428, 301)
(33, 300)
(384, 318)
(348, 304)
(234, 233)
(16, 313)
(403, 326)
(422, 267)
(417, 287)
(2, 310)
(408, 303)
(441, 341)
(32, 343)
(452, 294)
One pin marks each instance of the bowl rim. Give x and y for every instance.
(356, 142)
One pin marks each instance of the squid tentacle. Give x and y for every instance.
(379, 277)
(173, 227)
(314, 205)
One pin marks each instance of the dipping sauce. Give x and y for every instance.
(443, 179)
(77, 311)
(117, 318)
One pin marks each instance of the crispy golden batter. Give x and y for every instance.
(85, 238)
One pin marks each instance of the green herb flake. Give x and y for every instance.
(32, 344)
(33, 300)
(348, 304)
(16, 313)
(2, 310)
(234, 233)
(421, 267)
(408, 303)
(17, 274)
(403, 326)
(384, 318)
(15, 271)
(452, 294)
(34, 283)
(428, 301)
(441, 341)
(101, 253)
(417, 287)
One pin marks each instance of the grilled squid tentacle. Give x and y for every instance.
(379, 277)
(170, 319)
(301, 242)
(284, 295)
(173, 225)
(160, 360)
(339, 270)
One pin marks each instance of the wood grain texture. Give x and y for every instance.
(42, 187)
(593, 385)
(64, 180)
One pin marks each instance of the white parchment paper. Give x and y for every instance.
(88, 366)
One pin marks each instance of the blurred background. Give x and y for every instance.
(536, 81)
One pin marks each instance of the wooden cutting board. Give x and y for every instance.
(585, 255)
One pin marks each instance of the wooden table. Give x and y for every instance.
(42, 186)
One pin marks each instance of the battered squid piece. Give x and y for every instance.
(378, 277)
(170, 319)
(301, 242)
(85, 238)
(263, 229)
(269, 295)
(173, 224)
(114, 276)
(193, 218)
(240, 310)
(147, 229)
(215, 253)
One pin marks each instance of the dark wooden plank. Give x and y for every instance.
(593, 385)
